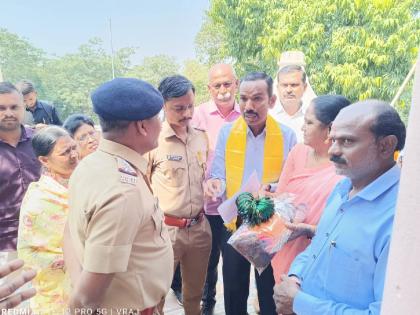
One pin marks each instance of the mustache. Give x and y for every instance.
(223, 97)
(338, 160)
(251, 112)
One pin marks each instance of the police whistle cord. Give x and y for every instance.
(254, 211)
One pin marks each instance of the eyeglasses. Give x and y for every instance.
(91, 134)
(226, 85)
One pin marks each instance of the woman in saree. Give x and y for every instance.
(42, 219)
(309, 175)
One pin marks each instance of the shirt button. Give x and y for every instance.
(314, 256)
(327, 234)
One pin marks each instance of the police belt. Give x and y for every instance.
(183, 222)
(148, 311)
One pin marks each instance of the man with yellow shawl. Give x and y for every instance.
(254, 142)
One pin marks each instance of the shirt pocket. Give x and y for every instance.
(343, 281)
(158, 224)
(173, 172)
(200, 167)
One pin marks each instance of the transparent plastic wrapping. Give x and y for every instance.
(259, 243)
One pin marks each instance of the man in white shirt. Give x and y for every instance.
(290, 89)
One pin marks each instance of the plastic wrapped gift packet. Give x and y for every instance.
(263, 232)
(285, 205)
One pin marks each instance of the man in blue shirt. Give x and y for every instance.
(245, 146)
(343, 270)
(38, 112)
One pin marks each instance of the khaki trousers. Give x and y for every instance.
(192, 248)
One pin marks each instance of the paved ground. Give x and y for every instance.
(173, 308)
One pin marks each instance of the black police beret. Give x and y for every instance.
(126, 99)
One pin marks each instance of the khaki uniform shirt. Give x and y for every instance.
(116, 227)
(177, 171)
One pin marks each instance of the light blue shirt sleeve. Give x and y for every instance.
(218, 169)
(307, 304)
(289, 137)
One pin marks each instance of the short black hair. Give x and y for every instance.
(75, 121)
(25, 87)
(45, 139)
(387, 122)
(113, 125)
(175, 86)
(327, 107)
(257, 76)
(291, 69)
(8, 88)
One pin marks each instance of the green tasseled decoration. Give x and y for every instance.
(254, 211)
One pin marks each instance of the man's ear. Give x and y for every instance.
(236, 81)
(140, 127)
(272, 101)
(387, 146)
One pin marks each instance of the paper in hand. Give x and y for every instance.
(228, 210)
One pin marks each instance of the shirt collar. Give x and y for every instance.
(375, 188)
(213, 109)
(250, 134)
(168, 132)
(278, 109)
(125, 153)
(26, 134)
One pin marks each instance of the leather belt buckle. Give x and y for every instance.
(183, 223)
(192, 222)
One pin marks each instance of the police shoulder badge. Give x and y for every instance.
(128, 174)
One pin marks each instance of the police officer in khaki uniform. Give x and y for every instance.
(177, 169)
(115, 227)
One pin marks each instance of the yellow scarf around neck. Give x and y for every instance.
(235, 156)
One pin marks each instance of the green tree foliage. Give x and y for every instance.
(155, 68)
(19, 59)
(69, 80)
(361, 49)
(198, 74)
(210, 43)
